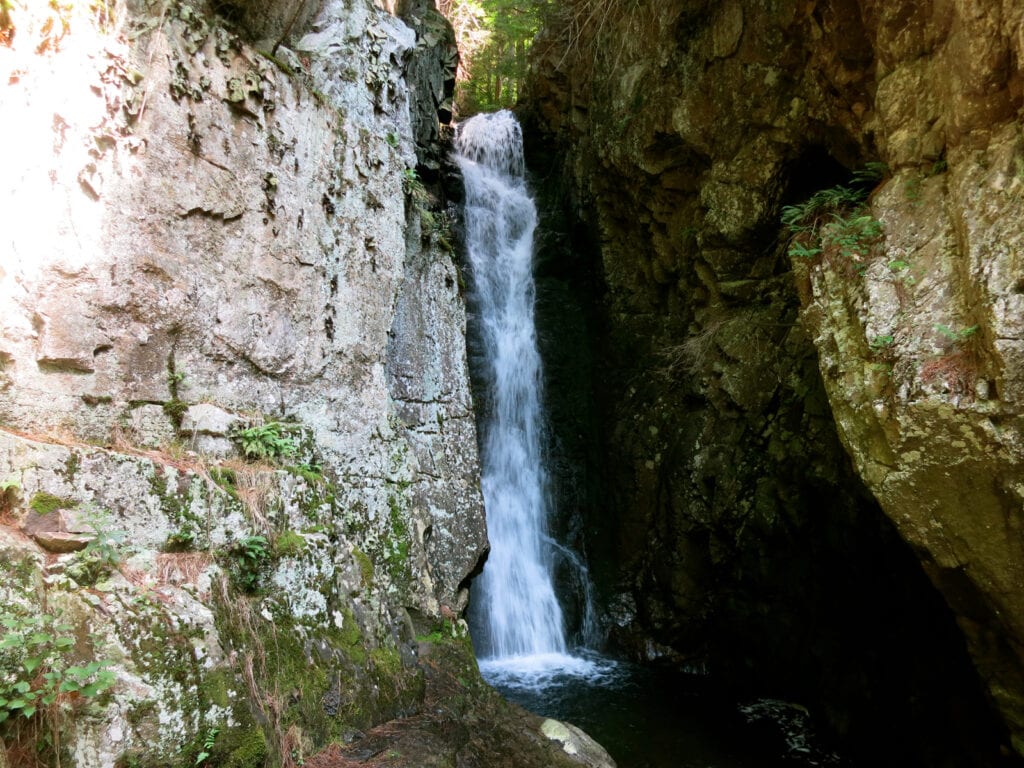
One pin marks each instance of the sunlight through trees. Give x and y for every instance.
(494, 40)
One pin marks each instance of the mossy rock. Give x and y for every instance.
(44, 503)
(240, 748)
(366, 570)
(289, 544)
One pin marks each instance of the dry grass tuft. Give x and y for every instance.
(256, 484)
(178, 568)
(958, 371)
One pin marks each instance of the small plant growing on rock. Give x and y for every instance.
(101, 555)
(799, 250)
(181, 540)
(412, 184)
(43, 503)
(835, 222)
(289, 544)
(853, 235)
(251, 556)
(269, 441)
(880, 343)
(812, 213)
(208, 742)
(958, 334)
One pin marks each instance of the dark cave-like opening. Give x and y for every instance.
(827, 605)
(812, 170)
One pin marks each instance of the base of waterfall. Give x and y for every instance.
(657, 715)
(537, 672)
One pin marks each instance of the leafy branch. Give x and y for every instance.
(36, 672)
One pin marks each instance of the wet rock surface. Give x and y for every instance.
(464, 722)
(737, 376)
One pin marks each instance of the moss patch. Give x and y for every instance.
(44, 503)
(396, 555)
(325, 680)
(289, 544)
(365, 567)
(241, 748)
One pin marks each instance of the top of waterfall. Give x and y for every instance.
(494, 140)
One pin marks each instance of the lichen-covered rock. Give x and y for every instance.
(688, 126)
(464, 722)
(920, 358)
(577, 744)
(233, 345)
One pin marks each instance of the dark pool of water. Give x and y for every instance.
(654, 717)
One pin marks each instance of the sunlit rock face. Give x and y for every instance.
(203, 236)
(733, 347)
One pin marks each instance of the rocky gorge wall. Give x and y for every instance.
(796, 422)
(238, 470)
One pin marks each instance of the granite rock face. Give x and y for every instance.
(743, 364)
(232, 341)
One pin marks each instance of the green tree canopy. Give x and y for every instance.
(494, 40)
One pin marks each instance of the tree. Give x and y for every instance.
(494, 41)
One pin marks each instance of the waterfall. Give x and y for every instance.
(518, 627)
(519, 611)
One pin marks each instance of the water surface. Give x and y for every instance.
(658, 717)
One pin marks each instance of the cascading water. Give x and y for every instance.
(519, 624)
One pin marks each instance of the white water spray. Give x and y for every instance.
(522, 627)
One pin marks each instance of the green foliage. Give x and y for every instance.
(35, 669)
(872, 172)
(852, 234)
(836, 220)
(811, 214)
(801, 251)
(175, 407)
(366, 570)
(956, 335)
(269, 441)
(904, 277)
(289, 544)
(175, 410)
(396, 549)
(494, 38)
(181, 540)
(912, 189)
(882, 342)
(208, 741)
(225, 477)
(101, 555)
(412, 184)
(250, 559)
(392, 140)
(44, 503)
(311, 473)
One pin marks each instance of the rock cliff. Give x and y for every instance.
(240, 490)
(744, 363)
